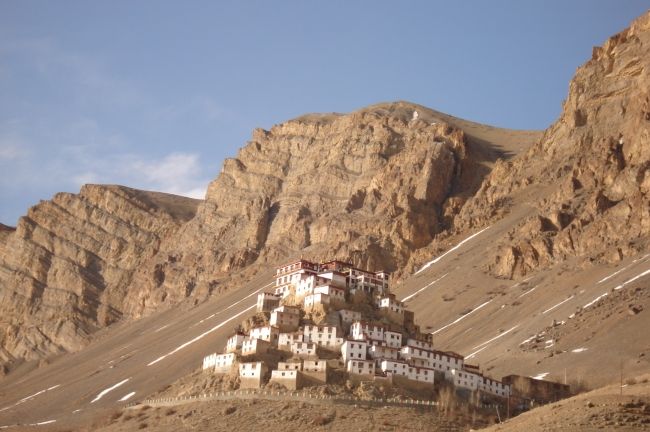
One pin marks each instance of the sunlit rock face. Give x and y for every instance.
(588, 179)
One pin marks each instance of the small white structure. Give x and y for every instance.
(325, 336)
(290, 275)
(393, 339)
(303, 349)
(368, 282)
(312, 300)
(254, 346)
(494, 387)
(395, 367)
(361, 367)
(332, 291)
(267, 301)
(421, 374)
(252, 374)
(446, 362)
(314, 366)
(284, 374)
(219, 363)
(333, 278)
(465, 379)
(284, 321)
(353, 350)
(378, 352)
(267, 333)
(362, 330)
(389, 303)
(400, 368)
(409, 352)
(286, 339)
(290, 365)
(306, 286)
(415, 343)
(234, 342)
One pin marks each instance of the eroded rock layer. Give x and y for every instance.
(588, 179)
(66, 269)
(370, 186)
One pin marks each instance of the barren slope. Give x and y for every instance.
(65, 270)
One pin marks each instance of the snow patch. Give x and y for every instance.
(462, 317)
(475, 352)
(232, 305)
(110, 389)
(407, 298)
(25, 399)
(202, 335)
(528, 340)
(496, 337)
(579, 350)
(595, 300)
(640, 275)
(161, 328)
(623, 269)
(127, 397)
(46, 422)
(528, 292)
(435, 260)
(557, 305)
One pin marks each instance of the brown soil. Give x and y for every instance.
(247, 415)
(602, 409)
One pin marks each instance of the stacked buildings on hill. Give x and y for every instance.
(362, 328)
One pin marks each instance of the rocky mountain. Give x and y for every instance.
(372, 186)
(66, 269)
(589, 176)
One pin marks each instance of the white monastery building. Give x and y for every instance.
(385, 344)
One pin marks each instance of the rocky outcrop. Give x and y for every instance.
(368, 186)
(588, 179)
(66, 269)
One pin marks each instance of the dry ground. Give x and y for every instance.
(601, 409)
(248, 415)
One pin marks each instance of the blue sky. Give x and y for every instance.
(155, 94)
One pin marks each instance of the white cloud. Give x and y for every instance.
(177, 173)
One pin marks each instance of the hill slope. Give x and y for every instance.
(67, 267)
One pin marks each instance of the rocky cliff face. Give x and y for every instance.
(66, 269)
(370, 186)
(588, 179)
(373, 187)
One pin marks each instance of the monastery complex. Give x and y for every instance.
(322, 319)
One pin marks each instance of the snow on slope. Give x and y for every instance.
(435, 260)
